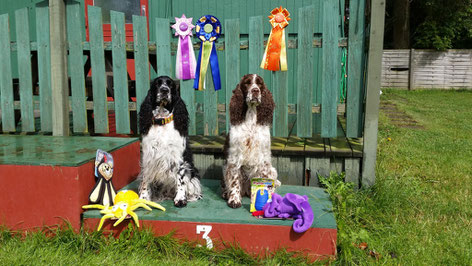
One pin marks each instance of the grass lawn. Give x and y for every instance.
(419, 211)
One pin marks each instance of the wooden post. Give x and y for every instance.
(411, 70)
(59, 85)
(374, 70)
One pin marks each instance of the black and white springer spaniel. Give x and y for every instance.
(247, 147)
(167, 169)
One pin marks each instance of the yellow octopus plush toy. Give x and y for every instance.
(125, 202)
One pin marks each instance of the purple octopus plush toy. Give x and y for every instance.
(292, 205)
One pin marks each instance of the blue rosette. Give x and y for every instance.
(208, 30)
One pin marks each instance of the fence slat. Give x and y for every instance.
(318, 54)
(331, 75)
(99, 83)
(280, 91)
(141, 59)
(24, 70)
(188, 95)
(44, 67)
(210, 113)
(256, 45)
(120, 72)
(164, 64)
(305, 65)
(76, 67)
(6, 84)
(355, 70)
(232, 61)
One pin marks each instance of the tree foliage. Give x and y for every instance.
(441, 24)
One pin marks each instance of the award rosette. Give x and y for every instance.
(185, 59)
(207, 29)
(275, 55)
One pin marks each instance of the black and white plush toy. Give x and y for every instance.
(103, 192)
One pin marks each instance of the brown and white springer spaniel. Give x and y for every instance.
(247, 147)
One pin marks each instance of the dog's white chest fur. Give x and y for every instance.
(252, 142)
(163, 149)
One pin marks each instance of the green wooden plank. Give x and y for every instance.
(210, 112)
(99, 83)
(188, 95)
(141, 58)
(256, 45)
(232, 61)
(305, 65)
(120, 73)
(44, 67)
(76, 68)
(24, 70)
(164, 64)
(355, 69)
(280, 91)
(352, 169)
(6, 84)
(318, 52)
(331, 69)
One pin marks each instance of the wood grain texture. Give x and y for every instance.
(141, 58)
(97, 59)
(187, 93)
(355, 70)
(76, 67)
(24, 70)
(332, 67)
(164, 64)
(305, 65)
(256, 45)
(232, 61)
(120, 73)
(59, 84)
(373, 95)
(44, 67)
(6, 84)
(210, 112)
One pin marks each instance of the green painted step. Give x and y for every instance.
(213, 209)
(49, 150)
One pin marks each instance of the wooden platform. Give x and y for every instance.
(46, 179)
(290, 156)
(237, 226)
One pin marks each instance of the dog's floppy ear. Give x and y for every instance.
(145, 111)
(237, 106)
(265, 110)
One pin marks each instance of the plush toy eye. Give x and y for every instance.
(124, 206)
(115, 208)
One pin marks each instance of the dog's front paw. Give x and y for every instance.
(234, 204)
(180, 203)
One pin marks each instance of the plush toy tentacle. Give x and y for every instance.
(153, 204)
(94, 206)
(135, 217)
(121, 219)
(137, 205)
(110, 215)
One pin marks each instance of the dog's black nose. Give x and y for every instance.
(165, 90)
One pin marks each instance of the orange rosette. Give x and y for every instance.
(275, 55)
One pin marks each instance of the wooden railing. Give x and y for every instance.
(315, 65)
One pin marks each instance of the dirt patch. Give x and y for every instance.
(398, 117)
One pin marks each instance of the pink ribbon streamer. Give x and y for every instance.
(185, 60)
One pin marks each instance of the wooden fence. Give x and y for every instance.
(312, 51)
(451, 69)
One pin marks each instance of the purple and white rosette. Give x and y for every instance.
(185, 60)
